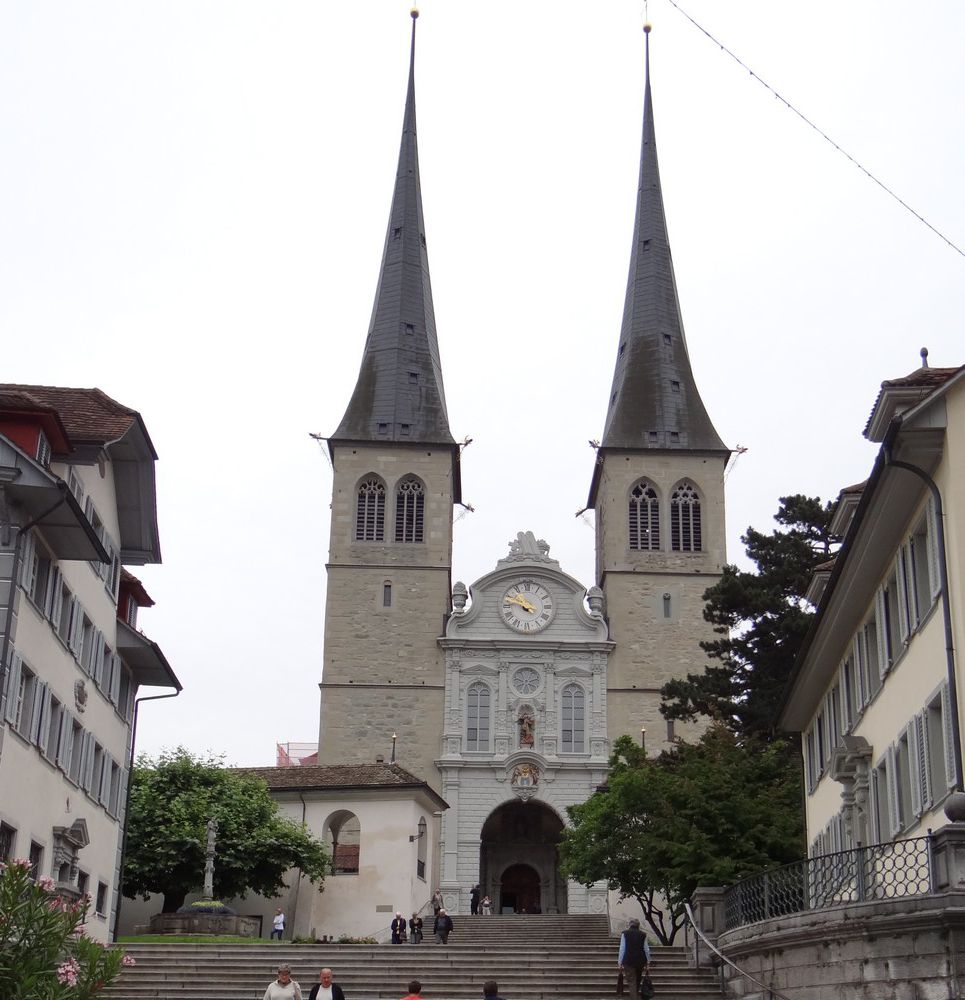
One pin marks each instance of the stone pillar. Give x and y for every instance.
(708, 906)
(948, 858)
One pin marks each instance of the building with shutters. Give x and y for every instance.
(77, 502)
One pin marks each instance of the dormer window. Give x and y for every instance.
(43, 449)
(132, 612)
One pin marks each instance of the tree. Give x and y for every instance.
(172, 799)
(761, 618)
(706, 813)
(44, 954)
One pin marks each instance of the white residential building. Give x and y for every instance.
(77, 500)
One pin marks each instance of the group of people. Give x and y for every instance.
(285, 988)
(441, 925)
(477, 905)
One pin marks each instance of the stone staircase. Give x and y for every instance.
(533, 957)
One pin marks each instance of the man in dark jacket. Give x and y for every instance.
(491, 990)
(442, 927)
(325, 989)
(397, 927)
(634, 957)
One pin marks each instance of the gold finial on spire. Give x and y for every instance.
(647, 28)
(414, 12)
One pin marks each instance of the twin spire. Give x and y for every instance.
(399, 396)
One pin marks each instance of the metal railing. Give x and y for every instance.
(880, 871)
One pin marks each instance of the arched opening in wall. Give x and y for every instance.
(519, 859)
(343, 836)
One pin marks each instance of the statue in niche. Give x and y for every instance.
(527, 729)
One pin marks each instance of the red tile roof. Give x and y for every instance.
(334, 776)
(131, 583)
(89, 415)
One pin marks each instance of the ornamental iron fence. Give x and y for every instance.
(877, 872)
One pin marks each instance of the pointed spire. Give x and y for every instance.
(399, 394)
(654, 402)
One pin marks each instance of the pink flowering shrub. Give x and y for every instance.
(44, 954)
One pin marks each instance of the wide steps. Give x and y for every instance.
(533, 957)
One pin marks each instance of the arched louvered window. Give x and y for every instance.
(644, 518)
(477, 717)
(685, 519)
(410, 500)
(573, 733)
(370, 511)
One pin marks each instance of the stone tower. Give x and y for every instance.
(396, 478)
(657, 486)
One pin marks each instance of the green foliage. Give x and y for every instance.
(761, 619)
(173, 797)
(699, 814)
(43, 952)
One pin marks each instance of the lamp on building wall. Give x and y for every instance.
(417, 836)
(643, 738)
(394, 738)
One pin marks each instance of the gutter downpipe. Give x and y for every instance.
(298, 883)
(127, 807)
(946, 603)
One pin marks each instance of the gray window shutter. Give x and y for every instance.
(859, 654)
(27, 564)
(115, 678)
(891, 778)
(949, 734)
(76, 626)
(87, 762)
(97, 657)
(41, 719)
(13, 690)
(104, 785)
(874, 822)
(122, 795)
(882, 630)
(901, 598)
(914, 766)
(53, 598)
(934, 575)
(66, 741)
(924, 768)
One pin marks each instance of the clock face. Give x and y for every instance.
(526, 607)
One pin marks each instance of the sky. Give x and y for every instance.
(193, 202)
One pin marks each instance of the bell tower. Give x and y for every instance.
(657, 487)
(396, 478)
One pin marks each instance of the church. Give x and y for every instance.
(508, 693)
(504, 695)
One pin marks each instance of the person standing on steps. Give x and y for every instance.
(491, 990)
(325, 989)
(278, 924)
(487, 906)
(398, 928)
(436, 902)
(634, 957)
(442, 927)
(474, 900)
(284, 987)
(415, 929)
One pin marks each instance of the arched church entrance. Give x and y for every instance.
(519, 859)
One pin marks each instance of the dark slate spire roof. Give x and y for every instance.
(654, 402)
(399, 394)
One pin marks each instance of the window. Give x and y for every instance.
(8, 841)
(125, 692)
(75, 485)
(43, 449)
(670, 730)
(113, 778)
(409, 510)
(666, 605)
(891, 632)
(131, 616)
(343, 836)
(879, 811)
(36, 860)
(83, 883)
(387, 594)
(573, 703)
(477, 716)
(38, 577)
(53, 746)
(65, 613)
(100, 907)
(76, 751)
(370, 512)
(848, 694)
(86, 643)
(644, 518)
(685, 519)
(820, 742)
(811, 768)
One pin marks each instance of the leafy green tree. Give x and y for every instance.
(761, 619)
(706, 813)
(173, 797)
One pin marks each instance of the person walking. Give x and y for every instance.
(634, 958)
(491, 990)
(284, 987)
(474, 900)
(325, 989)
(278, 924)
(415, 990)
(398, 926)
(415, 929)
(436, 902)
(442, 927)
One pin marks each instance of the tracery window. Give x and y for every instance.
(477, 716)
(370, 511)
(644, 518)
(573, 734)
(685, 519)
(410, 510)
